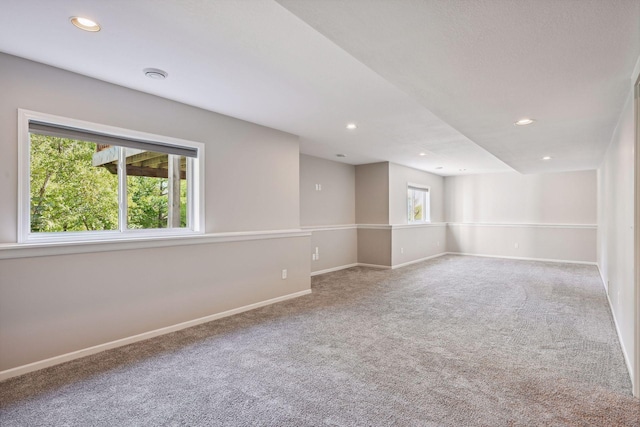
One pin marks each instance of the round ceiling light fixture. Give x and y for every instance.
(85, 23)
(422, 154)
(341, 155)
(546, 158)
(155, 73)
(351, 126)
(524, 122)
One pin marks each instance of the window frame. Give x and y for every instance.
(195, 187)
(426, 213)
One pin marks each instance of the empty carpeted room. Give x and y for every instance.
(375, 213)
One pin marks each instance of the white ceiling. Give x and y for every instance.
(447, 78)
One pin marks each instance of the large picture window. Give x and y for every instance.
(83, 181)
(418, 204)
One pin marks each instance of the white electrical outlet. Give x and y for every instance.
(284, 274)
(401, 250)
(516, 246)
(313, 257)
(317, 250)
(438, 243)
(320, 185)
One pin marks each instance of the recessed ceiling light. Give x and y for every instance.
(341, 155)
(85, 23)
(351, 126)
(423, 154)
(524, 122)
(154, 73)
(546, 158)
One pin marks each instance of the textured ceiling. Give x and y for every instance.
(445, 78)
(481, 65)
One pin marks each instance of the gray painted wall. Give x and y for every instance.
(248, 167)
(59, 304)
(399, 177)
(337, 248)
(381, 198)
(418, 242)
(335, 203)
(372, 193)
(615, 228)
(374, 247)
(415, 242)
(54, 305)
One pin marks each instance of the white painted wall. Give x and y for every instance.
(53, 305)
(545, 216)
(563, 243)
(615, 228)
(514, 198)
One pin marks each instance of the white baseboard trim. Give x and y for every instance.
(418, 260)
(604, 280)
(524, 225)
(615, 322)
(624, 349)
(378, 266)
(565, 261)
(332, 269)
(56, 360)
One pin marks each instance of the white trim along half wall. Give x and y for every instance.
(397, 245)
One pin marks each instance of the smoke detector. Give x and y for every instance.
(155, 73)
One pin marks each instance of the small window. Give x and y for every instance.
(84, 181)
(418, 204)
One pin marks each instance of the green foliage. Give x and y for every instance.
(148, 202)
(68, 193)
(417, 212)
